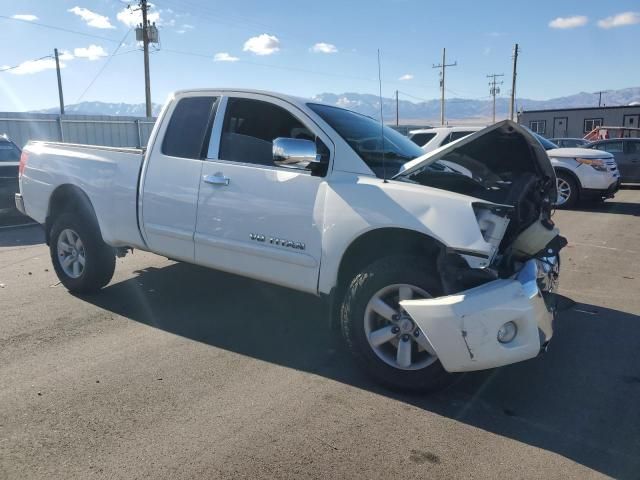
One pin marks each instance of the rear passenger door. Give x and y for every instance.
(616, 148)
(255, 218)
(172, 176)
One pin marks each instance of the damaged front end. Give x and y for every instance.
(499, 305)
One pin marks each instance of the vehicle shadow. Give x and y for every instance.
(579, 400)
(21, 235)
(621, 208)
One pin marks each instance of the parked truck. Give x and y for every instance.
(430, 264)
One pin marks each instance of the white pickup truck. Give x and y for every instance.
(431, 263)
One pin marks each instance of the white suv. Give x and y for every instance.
(582, 173)
(431, 138)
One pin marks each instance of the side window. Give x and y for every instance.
(633, 147)
(421, 139)
(446, 140)
(591, 123)
(457, 135)
(188, 131)
(611, 147)
(250, 126)
(538, 126)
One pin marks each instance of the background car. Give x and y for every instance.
(570, 142)
(627, 154)
(431, 138)
(9, 161)
(582, 173)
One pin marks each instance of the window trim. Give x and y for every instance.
(584, 123)
(538, 122)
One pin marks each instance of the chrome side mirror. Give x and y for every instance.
(295, 153)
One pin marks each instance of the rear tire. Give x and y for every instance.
(385, 280)
(81, 259)
(568, 190)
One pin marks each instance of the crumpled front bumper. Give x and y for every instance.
(463, 328)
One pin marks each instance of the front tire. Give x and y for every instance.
(568, 191)
(81, 259)
(382, 337)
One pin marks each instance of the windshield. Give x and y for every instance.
(363, 134)
(548, 145)
(9, 152)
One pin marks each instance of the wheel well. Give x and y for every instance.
(68, 198)
(569, 173)
(377, 244)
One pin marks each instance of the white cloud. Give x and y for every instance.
(35, 66)
(620, 20)
(224, 57)
(25, 16)
(405, 77)
(262, 44)
(131, 18)
(185, 28)
(323, 47)
(92, 19)
(92, 52)
(569, 22)
(65, 55)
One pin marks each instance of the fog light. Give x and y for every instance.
(507, 332)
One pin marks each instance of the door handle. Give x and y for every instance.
(216, 179)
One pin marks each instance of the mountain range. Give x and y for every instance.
(456, 108)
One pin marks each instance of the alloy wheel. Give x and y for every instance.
(392, 334)
(71, 253)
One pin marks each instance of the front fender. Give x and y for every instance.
(356, 205)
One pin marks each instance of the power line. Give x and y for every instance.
(53, 27)
(20, 64)
(104, 66)
(279, 67)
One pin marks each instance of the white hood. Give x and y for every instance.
(578, 153)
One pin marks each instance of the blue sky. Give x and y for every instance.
(309, 47)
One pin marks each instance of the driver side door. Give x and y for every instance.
(255, 218)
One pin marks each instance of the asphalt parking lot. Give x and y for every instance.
(174, 371)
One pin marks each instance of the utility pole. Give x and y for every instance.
(397, 110)
(443, 66)
(600, 97)
(494, 90)
(60, 97)
(513, 82)
(145, 45)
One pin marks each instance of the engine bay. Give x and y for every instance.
(504, 168)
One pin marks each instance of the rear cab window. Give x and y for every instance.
(188, 132)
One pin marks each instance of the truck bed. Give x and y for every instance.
(107, 175)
